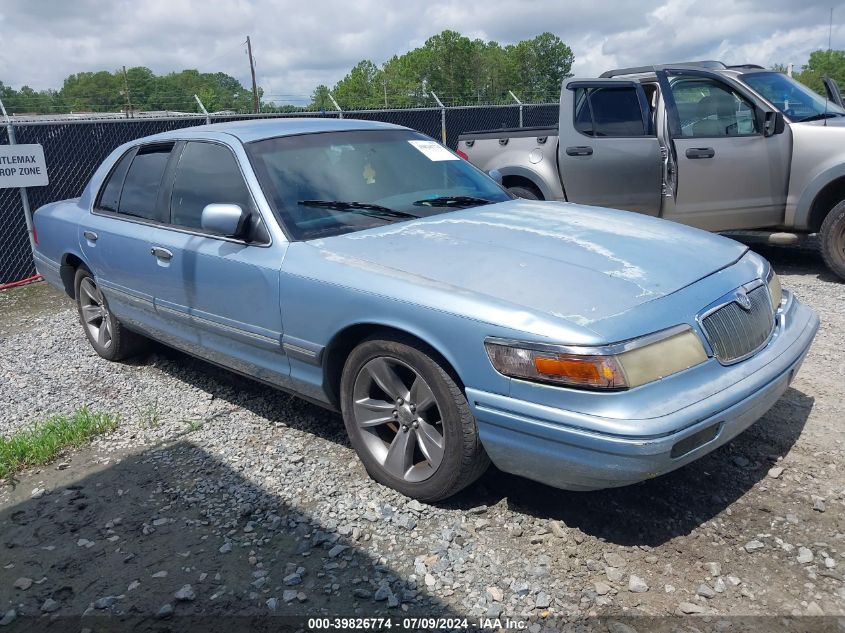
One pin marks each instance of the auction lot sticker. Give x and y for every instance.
(434, 150)
(22, 166)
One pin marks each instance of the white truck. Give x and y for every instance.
(737, 149)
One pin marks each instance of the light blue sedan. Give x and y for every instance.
(367, 268)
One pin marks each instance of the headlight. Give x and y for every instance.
(619, 366)
(775, 290)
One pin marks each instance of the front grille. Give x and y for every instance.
(734, 332)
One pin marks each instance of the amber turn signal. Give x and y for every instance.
(596, 371)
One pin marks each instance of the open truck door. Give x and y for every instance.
(716, 134)
(833, 92)
(609, 154)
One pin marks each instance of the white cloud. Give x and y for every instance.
(299, 45)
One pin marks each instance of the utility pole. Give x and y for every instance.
(126, 93)
(252, 72)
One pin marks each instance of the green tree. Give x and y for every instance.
(538, 66)
(320, 99)
(821, 63)
(93, 92)
(362, 87)
(460, 71)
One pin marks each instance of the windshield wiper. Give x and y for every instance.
(453, 201)
(819, 116)
(375, 210)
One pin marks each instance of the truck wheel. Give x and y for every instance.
(106, 334)
(832, 236)
(409, 421)
(525, 192)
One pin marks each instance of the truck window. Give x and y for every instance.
(709, 108)
(608, 112)
(140, 189)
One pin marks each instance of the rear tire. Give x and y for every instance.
(409, 421)
(832, 236)
(109, 338)
(525, 192)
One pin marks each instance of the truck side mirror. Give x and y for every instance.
(773, 122)
(496, 175)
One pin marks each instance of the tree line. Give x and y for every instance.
(132, 89)
(459, 70)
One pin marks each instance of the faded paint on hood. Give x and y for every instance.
(571, 261)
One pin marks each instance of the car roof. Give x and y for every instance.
(256, 129)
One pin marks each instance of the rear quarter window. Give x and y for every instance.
(139, 197)
(110, 194)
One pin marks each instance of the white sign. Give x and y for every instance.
(434, 150)
(22, 166)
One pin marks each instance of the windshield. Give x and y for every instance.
(331, 183)
(792, 98)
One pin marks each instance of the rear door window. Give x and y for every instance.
(611, 111)
(143, 181)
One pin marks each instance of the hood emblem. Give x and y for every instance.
(741, 298)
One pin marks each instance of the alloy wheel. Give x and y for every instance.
(399, 418)
(95, 313)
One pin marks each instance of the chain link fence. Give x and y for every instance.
(75, 148)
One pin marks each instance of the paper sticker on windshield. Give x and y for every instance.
(434, 150)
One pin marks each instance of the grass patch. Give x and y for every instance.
(40, 443)
(149, 416)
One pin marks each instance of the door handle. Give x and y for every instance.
(161, 253)
(700, 152)
(581, 150)
(90, 236)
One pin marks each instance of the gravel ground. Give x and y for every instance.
(218, 496)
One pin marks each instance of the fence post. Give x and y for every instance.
(336, 107)
(204, 111)
(510, 92)
(442, 117)
(27, 212)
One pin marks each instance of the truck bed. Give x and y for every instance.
(525, 157)
(510, 132)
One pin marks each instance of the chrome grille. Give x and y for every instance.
(735, 333)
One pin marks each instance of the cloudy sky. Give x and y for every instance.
(298, 45)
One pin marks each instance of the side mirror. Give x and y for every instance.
(228, 220)
(773, 122)
(496, 175)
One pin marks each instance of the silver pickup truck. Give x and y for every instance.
(725, 148)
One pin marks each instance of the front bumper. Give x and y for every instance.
(567, 449)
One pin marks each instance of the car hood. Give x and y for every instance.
(571, 261)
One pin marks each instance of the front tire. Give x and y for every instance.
(409, 421)
(832, 236)
(109, 338)
(525, 192)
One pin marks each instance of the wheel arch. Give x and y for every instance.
(348, 338)
(828, 197)
(70, 262)
(539, 180)
(522, 181)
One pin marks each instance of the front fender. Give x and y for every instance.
(804, 205)
(544, 176)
